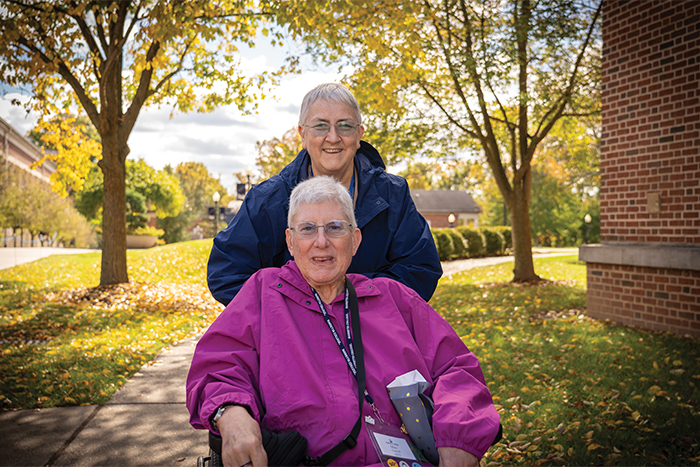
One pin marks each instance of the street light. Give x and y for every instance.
(451, 219)
(587, 219)
(216, 197)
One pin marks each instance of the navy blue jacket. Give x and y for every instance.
(396, 239)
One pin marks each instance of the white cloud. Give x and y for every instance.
(15, 115)
(223, 140)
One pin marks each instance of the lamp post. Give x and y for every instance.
(216, 197)
(451, 219)
(587, 219)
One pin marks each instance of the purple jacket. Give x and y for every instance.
(280, 360)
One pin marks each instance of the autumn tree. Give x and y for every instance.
(110, 59)
(566, 180)
(73, 144)
(146, 188)
(27, 204)
(466, 69)
(274, 154)
(197, 186)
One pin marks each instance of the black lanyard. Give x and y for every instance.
(349, 353)
(350, 440)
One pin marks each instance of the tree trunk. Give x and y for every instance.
(113, 168)
(524, 268)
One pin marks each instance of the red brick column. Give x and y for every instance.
(655, 298)
(650, 164)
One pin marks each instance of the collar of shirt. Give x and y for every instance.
(292, 284)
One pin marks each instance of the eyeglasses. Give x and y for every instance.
(342, 128)
(333, 229)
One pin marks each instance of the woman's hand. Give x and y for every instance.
(454, 457)
(241, 439)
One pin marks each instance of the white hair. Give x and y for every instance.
(331, 92)
(321, 189)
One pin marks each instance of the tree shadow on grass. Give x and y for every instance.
(573, 390)
(78, 346)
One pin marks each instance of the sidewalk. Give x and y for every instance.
(10, 257)
(146, 421)
(452, 267)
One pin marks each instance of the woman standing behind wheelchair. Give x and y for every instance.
(287, 363)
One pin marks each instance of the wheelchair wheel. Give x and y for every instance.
(202, 461)
(215, 459)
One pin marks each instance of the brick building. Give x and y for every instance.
(22, 153)
(646, 271)
(436, 206)
(17, 154)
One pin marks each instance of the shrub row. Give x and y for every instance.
(469, 242)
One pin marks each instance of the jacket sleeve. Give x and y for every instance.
(225, 365)
(465, 416)
(253, 240)
(412, 256)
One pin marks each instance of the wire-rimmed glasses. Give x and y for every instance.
(333, 229)
(342, 128)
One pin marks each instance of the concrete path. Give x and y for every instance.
(452, 267)
(146, 421)
(10, 257)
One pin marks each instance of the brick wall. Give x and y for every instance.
(651, 122)
(650, 168)
(660, 299)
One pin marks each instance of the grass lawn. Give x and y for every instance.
(570, 390)
(62, 343)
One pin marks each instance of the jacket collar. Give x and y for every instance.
(369, 164)
(367, 159)
(292, 285)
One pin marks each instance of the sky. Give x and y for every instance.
(224, 140)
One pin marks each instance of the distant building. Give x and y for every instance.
(22, 153)
(17, 154)
(436, 206)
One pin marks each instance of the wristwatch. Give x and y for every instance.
(218, 415)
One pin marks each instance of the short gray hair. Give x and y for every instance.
(321, 189)
(332, 92)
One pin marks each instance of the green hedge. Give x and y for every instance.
(507, 235)
(459, 244)
(468, 242)
(475, 241)
(495, 244)
(444, 244)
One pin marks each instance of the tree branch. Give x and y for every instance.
(133, 22)
(449, 116)
(142, 92)
(64, 71)
(522, 28)
(87, 34)
(490, 145)
(114, 51)
(563, 101)
(101, 34)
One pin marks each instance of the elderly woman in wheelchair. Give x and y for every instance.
(308, 350)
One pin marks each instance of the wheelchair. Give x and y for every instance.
(214, 458)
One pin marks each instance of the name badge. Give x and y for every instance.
(393, 447)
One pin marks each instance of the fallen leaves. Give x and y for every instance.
(572, 390)
(78, 345)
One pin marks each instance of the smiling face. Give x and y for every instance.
(323, 260)
(331, 154)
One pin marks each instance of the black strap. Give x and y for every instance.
(350, 440)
